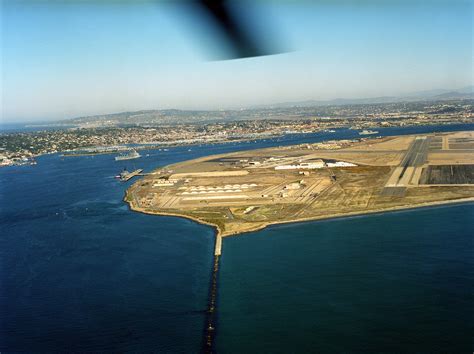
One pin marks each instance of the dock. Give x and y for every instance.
(127, 176)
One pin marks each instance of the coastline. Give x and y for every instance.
(220, 233)
(61, 152)
(225, 228)
(170, 146)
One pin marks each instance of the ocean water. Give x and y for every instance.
(400, 282)
(29, 127)
(80, 272)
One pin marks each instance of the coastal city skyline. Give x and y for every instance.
(85, 58)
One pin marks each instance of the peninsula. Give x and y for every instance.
(246, 191)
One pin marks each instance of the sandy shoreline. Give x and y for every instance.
(220, 233)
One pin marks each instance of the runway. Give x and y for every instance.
(413, 160)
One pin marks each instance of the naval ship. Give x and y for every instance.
(132, 154)
(368, 132)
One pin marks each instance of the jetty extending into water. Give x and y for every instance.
(125, 175)
(218, 247)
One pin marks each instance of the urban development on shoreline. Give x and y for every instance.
(114, 133)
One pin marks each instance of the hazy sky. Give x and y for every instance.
(61, 60)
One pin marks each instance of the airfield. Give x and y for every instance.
(246, 191)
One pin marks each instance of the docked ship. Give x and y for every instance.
(125, 175)
(132, 154)
(368, 132)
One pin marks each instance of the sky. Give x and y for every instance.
(62, 59)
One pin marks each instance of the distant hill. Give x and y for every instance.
(285, 110)
(333, 102)
(430, 95)
(453, 95)
(152, 117)
(467, 89)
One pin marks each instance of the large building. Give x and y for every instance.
(303, 166)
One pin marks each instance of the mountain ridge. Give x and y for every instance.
(174, 116)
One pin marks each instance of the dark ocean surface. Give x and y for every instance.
(80, 272)
(400, 282)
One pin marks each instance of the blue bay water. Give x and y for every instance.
(399, 282)
(79, 271)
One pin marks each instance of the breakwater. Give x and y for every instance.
(210, 330)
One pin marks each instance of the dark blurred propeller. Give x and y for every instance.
(241, 40)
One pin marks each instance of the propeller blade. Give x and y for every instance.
(241, 41)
